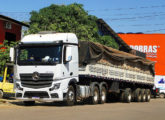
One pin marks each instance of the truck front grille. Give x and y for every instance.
(45, 80)
(36, 94)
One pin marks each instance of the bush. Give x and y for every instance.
(4, 54)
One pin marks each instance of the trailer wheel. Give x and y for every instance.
(95, 97)
(103, 95)
(143, 99)
(138, 95)
(121, 96)
(29, 103)
(1, 94)
(148, 95)
(127, 95)
(162, 95)
(70, 96)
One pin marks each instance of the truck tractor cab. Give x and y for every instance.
(7, 83)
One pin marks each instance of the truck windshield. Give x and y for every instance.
(39, 55)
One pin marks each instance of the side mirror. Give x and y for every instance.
(68, 54)
(12, 54)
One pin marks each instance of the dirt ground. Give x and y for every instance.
(14, 110)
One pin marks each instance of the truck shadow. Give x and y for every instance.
(57, 104)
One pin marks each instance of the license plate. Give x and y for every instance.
(35, 97)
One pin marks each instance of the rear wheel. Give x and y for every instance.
(137, 95)
(121, 96)
(161, 95)
(29, 103)
(95, 97)
(70, 96)
(1, 94)
(143, 99)
(127, 95)
(103, 95)
(148, 95)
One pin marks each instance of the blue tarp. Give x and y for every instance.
(1, 78)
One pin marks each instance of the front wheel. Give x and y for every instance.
(1, 94)
(70, 96)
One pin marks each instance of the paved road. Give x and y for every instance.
(14, 110)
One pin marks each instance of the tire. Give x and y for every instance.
(148, 95)
(1, 94)
(103, 95)
(95, 98)
(70, 96)
(122, 96)
(162, 95)
(143, 95)
(29, 103)
(137, 95)
(127, 95)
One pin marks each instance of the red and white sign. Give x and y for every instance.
(152, 44)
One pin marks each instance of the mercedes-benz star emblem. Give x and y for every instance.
(35, 76)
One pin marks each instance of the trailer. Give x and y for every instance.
(53, 66)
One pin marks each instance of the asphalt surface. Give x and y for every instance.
(15, 110)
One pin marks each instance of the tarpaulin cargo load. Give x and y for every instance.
(90, 52)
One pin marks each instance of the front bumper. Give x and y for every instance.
(42, 94)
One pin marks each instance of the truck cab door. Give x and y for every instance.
(70, 61)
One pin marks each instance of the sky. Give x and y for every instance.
(147, 16)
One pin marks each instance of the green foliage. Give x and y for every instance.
(68, 18)
(108, 41)
(65, 18)
(23, 54)
(4, 54)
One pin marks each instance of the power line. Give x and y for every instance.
(155, 30)
(143, 25)
(137, 17)
(131, 8)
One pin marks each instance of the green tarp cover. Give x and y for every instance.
(90, 52)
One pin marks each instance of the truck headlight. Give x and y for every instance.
(55, 86)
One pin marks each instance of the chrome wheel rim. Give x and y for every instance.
(129, 97)
(144, 97)
(95, 96)
(71, 96)
(149, 97)
(103, 96)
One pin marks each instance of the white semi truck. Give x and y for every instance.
(53, 66)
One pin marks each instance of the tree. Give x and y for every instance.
(109, 41)
(66, 18)
(4, 54)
